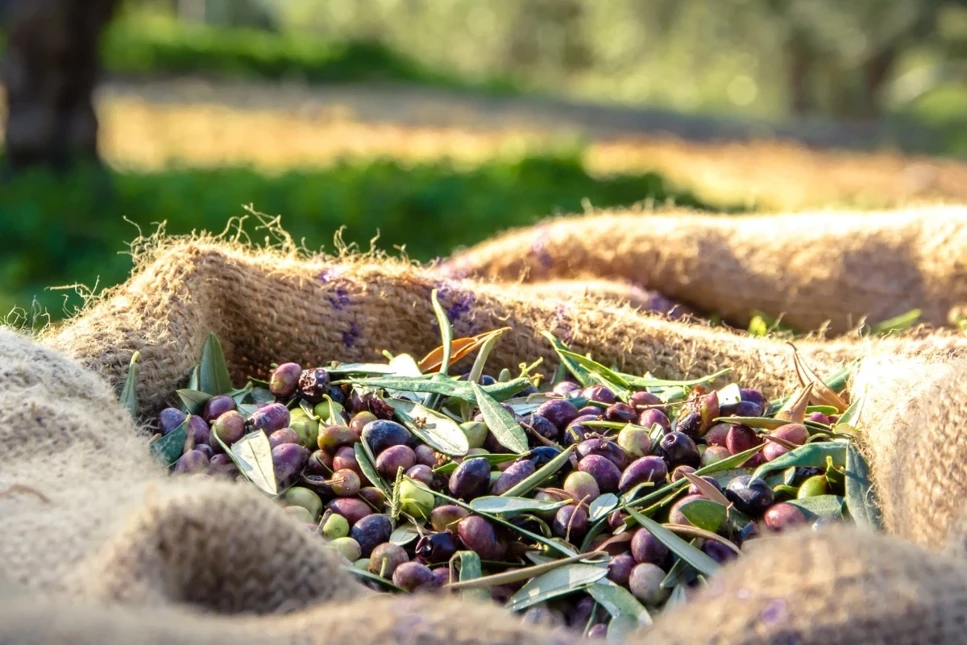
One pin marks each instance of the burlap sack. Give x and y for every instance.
(98, 545)
(816, 268)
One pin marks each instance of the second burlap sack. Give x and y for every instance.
(99, 545)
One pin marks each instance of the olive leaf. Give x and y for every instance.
(620, 628)
(129, 393)
(820, 506)
(678, 546)
(213, 375)
(610, 376)
(619, 602)
(361, 368)
(363, 573)
(459, 349)
(193, 401)
(260, 394)
(677, 597)
(505, 430)
(811, 454)
(641, 382)
(825, 409)
(705, 514)
(861, 500)
(366, 461)
(559, 582)
(601, 506)
(580, 374)
(731, 394)
(852, 415)
(334, 418)
(441, 385)
(404, 534)
(193, 379)
(679, 573)
(836, 382)
(253, 456)
(499, 505)
(446, 333)
(437, 430)
(540, 475)
(820, 390)
(897, 323)
(168, 448)
(707, 489)
(470, 569)
(493, 460)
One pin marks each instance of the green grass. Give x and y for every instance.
(72, 229)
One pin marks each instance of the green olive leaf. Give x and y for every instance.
(619, 602)
(851, 416)
(213, 375)
(820, 506)
(555, 583)
(129, 394)
(861, 499)
(442, 385)
(446, 331)
(540, 475)
(639, 382)
(678, 546)
(361, 368)
(602, 506)
(505, 430)
(435, 429)
(193, 379)
(580, 373)
(362, 573)
(405, 533)
(193, 401)
(705, 514)
(680, 573)
(366, 461)
(500, 505)
(811, 454)
(169, 448)
(611, 377)
(677, 597)
(493, 460)
(470, 569)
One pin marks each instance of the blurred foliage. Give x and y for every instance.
(68, 229)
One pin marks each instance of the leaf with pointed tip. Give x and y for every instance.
(361, 368)
(168, 448)
(704, 513)
(129, 394)
(405, 533)
(446, 334)
(820, 506)
(405, 365)
(811, 454)
(441, 385)
(640, 382)
(193, 379)
(213, 375)
(498, 505)
(505, 430)
(820, 391)
(366, 461)
(493, 460)
(707, 489)
(253, 456)
(603, 505)
(861, 498)
(555, 583)
(470, 569)
(580, 374)
(610, 376)
(852, 415)
(540, 475)
(678, 546)
(193, 401)
(437, 430)
(618, 601)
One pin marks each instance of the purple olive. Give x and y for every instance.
(716, 434)
(389, 461)
(382, 434)
(542, 426)
(580, 613)
(591, 411)
(471, 479)
(285, 435)
(746, 409)
(441, 575)
(229, 427)
(751, 496)
(385, 558)
(289, 460)
(371, 531)
(198, 431)
(782, 516)
(222, 464)
(445, 517)
(515, 474)
(678, 448)
(718, 551)
(647, 469)
(320, 464)
(605, 448)
(603, 470)
(272, 417)
(680, 471)
(741, 438)
(415, 577)
(570, 522)
(599, 393)
(559, 412)
(217, 406)
(421, 473)
(755, 396)
(332, 438)
(620, 412)
(645, 547)
(697, 413)
(478, 535)
(426, 456)
(285, 380)
(566, 388)
(643, 398)
(598, 631)
(205, 449)
(645, 583)
(373, 496)
(650, 417)
(345, 483)
(675, 515)
(818, 417)
(360, 420)
(193, 461)
(619, 569)
(436, 547)
(169, 419)
(543, 616)
(313, 384)
(345, 457)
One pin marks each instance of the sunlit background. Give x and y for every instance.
(439, 122)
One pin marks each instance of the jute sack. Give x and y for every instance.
(98, 544)
(816, 268)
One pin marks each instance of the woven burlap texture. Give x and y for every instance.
(816, 268)
(99, 545)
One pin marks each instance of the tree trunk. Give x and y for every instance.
(50, 71)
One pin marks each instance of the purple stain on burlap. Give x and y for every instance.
(349, 337)
(539, 248)
(564, 331)
(461, 303)
(339, 299)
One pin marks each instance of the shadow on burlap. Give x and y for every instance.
(98, 545)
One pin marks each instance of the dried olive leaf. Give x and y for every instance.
(812, 454)
(820, 390)
(620, 603)
(437, 430)
(794, 411)
(129, 393)
(213, 375)
(836, 382)
(820, 506)
(505, 430)
(540, 475)
(678, 546)
(559, 582)
(168, 448)
(705, 514)
(366, 461)
(601, 506)
(860, 496)
(499, 505)
(707, 489)
(193, 401)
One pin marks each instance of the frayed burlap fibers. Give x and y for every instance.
(100, 545)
